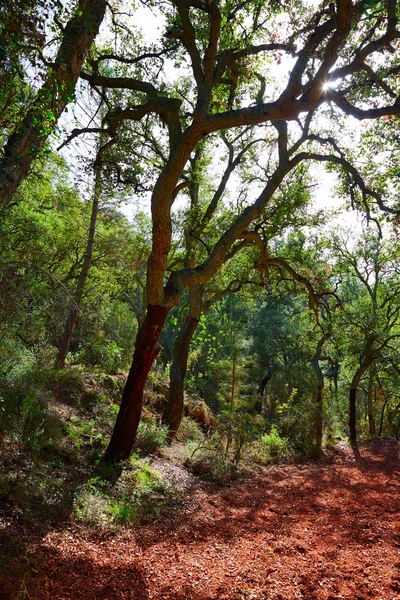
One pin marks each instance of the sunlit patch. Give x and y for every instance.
(326, 86)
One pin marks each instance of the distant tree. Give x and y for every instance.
(371, 309)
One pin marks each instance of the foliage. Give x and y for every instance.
(218, 456)
(271, 448)
(150, 435)
(138, 494)
(102, 353)
(189, 431)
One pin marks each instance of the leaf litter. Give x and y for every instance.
(325, 530)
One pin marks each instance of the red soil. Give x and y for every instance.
(323, 530)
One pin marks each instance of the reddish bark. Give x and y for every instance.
(128, 418)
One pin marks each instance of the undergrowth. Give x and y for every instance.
(139, 494)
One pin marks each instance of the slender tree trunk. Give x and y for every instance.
(233, 388)
(352, 414)
(319, 406)
(319, 397)
(173, 413)
(358, 375)
(146, 350)
(234, 361)
(352, 399)
(371, 419)
(381, 419)
(77, 298)
(31, 135)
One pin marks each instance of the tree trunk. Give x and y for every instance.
(371, 419)
(358, 375)
(234, 361)
(128, 418)
(381, 419)
(77, 298)
(319, 397)
(173, 413)
(174, 410)
(57, 90)
(352, 414)
(319, 406)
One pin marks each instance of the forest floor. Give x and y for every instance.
(327, 530)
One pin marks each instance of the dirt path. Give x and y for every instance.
(325, 531)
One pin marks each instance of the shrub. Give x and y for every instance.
(92, 503)
(296, 425)
(211, 463)
(150, 435)
(189, 431)
(139, 494)
(218, 456)
(23, 409)
(102, 353)
(271, 448)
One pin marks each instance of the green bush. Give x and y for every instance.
(189, 430)
(92, 503)
(218, 456)
(23, 407)
(211, 463)
(271, 448)
(150, 435)
(139, 494)
(103, 353)
(296, 425)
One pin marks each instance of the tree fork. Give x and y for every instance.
(128, 418)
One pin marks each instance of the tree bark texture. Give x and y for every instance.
(57, 90)
(173, 413)
(319, 397)
(128, 418)
(80, 288)
(352, 414)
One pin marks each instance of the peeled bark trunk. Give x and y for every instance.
(128, 418)
(173, 413)
(77, 299)
(31, 135)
